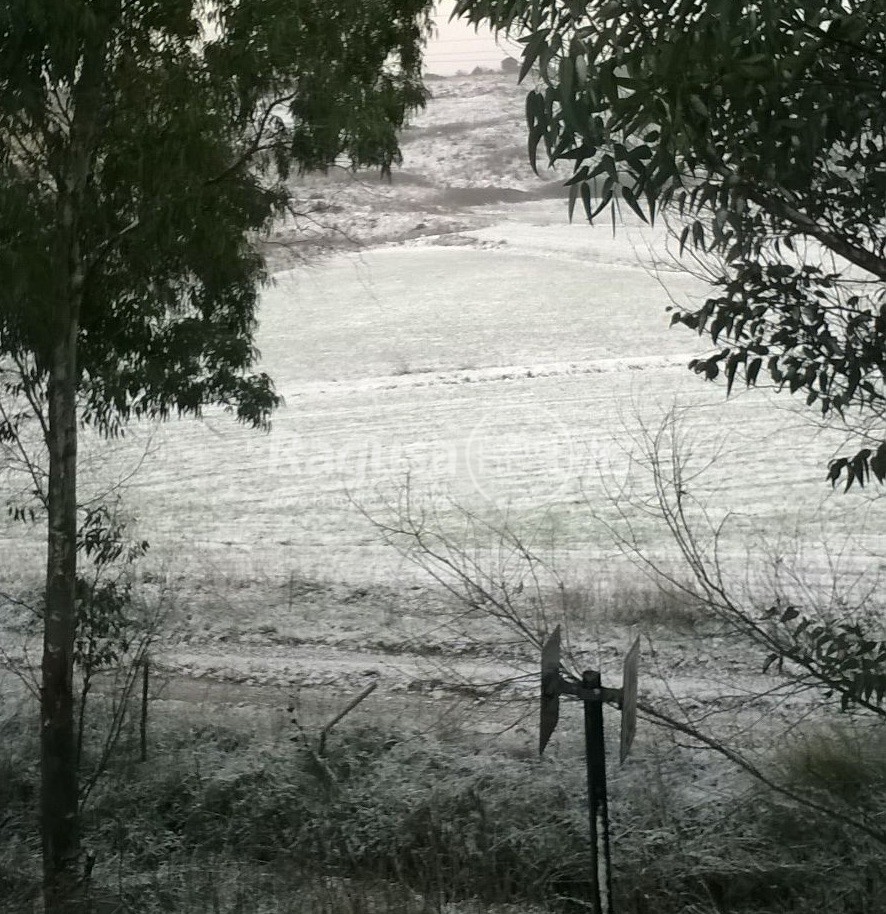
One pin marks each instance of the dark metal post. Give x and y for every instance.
(143, 723)
(601, 879)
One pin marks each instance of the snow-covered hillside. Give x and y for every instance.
(453, 329)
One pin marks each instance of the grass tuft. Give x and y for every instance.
(629, 602)
(848, 765)
(228, 822)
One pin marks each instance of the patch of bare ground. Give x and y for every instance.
(467, 150)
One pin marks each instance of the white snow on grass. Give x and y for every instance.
(495, 353)
(504, 381)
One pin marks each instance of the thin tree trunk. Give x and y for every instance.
(59, 795)
(59, 801)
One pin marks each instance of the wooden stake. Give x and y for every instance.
(143, 725)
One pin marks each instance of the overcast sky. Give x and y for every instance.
(458, 47)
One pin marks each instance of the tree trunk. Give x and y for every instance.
(59, 801)
(59, 798)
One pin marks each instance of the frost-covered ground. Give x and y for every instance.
(451, 329)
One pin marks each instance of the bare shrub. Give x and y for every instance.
(814, 659)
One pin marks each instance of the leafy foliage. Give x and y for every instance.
(195, 127)
(144, 148)
(842, 657)
(105, 633)
(762, 126)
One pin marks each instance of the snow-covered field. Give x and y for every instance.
(453, 329)
(508, 378)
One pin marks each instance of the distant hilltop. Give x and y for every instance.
(508, 65)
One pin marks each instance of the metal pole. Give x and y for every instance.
(143, 723)
(601, 879)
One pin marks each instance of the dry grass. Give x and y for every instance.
(628, 601)
(221, 820)
(394, 822)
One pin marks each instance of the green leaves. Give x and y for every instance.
(103, 627)
(764, 129)
(857, 469)
(537, 121)
(535, 44)
(840, 656)
(631, 200)
(187, 166)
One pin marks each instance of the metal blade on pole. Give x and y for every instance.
(550, 689)
(591, 692)
(629, 700)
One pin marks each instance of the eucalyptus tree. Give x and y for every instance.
(762, 126)
(144, 147)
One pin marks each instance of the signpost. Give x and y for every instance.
(598, 806)
(591, 691)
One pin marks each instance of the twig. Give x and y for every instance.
(321, 749)
(661, 719)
